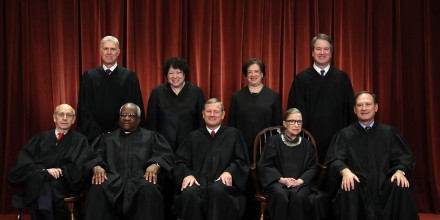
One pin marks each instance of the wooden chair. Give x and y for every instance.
(260, 141)
(18, 203)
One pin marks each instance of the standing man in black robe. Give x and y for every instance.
(104, 89)
(375, 164)
(125, 165)
(49, 167)
(212, 166)
(323, 94)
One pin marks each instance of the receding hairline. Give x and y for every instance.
(72, 110)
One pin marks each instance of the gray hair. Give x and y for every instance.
(131, 105)
(291, 111)
(110, 38)
(213, 101)
(322, 37)
(72, 110)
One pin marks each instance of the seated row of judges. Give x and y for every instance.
(370, 167)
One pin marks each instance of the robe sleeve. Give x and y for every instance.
(277, 111)
(239, 167)
(27, 162)
(337, 152)
(297, 96)
(232, 121)
(267, 170)
(134, 94)
(183, 165)
(200, 107)
(152, 111)
(162, 152)
(401, 156)
(86, 122)
(73, 162)
(309, 174)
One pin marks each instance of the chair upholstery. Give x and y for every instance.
(260, 141)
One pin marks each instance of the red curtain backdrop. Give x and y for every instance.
(386, 46)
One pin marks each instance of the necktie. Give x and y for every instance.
(108, 71)
(322, 72)
(368, 128)
(60, 135)
(212, 133)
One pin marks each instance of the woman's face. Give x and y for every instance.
(293, 124)
(176, 77)
(254, 75)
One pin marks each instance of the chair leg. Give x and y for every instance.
(71, 207)
(262, 210)
(20, 211)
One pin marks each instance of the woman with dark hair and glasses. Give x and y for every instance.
(287, 169)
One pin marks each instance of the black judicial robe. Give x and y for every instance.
(374, 157)
(175, 116)
(252, 113)
(125, 157)
(101, 97)
(279, 160)
(326, 104)
(43, 152)
(206, 157)
(298, 162)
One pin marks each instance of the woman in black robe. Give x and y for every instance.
(175, 107)
(287, 168)
(255, 106)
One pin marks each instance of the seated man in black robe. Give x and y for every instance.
(125, 165)
(212, 166)
(49, 167)
(376, 165)
(287, 169)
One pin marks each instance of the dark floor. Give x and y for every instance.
(423, 216)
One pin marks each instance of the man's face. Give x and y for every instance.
(128, 119)
(109, 53)
(64, 117)
(322, 52)
(213, 115)
(176, 77)
(365, 108)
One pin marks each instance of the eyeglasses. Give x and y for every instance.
(130, 115)
(62, 115)
(292, 122)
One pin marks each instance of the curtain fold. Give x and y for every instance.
(386, 46)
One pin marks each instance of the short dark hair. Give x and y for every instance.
(176, 63)
(322, 37)
(375, 99)
(252, 61)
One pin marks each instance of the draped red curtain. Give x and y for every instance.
(386, 46)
